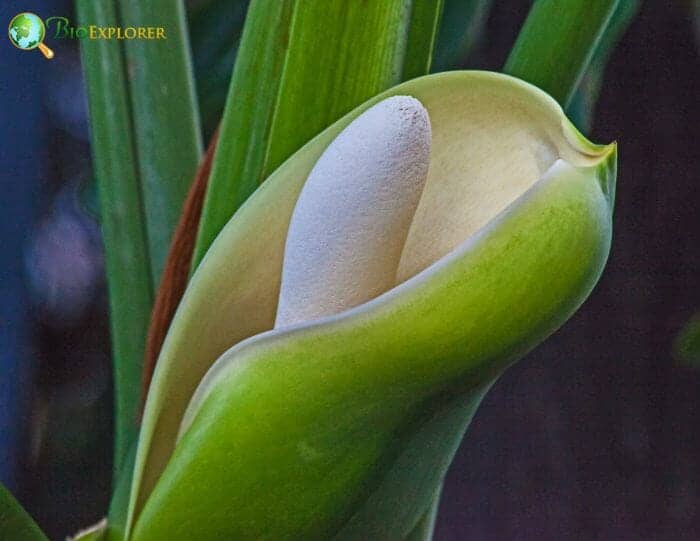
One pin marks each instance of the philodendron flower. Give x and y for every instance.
(336, 339)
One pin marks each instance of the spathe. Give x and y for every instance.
(296, 429)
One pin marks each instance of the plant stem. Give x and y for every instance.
(557, 42)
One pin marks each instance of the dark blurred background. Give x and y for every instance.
(595, 435)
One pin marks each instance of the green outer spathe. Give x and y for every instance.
(296, 429)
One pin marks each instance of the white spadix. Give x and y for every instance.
(352, 217)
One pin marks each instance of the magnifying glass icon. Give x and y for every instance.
(27, 31)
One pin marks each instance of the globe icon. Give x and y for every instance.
(27, 32)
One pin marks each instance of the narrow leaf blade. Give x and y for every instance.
(582, 103)
(123, 223)
(301, 65)
(340, 54)
(176, 271)
(687, 344)
(557, 43)
(15, 522)
(215, 34)
(462, 26)
(245, 125)
(422, 36)
(165, 118)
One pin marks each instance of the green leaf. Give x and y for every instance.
(247, 116)
(357, 48)
(146, 147)
(295, 429)
(557, 43)
(15, 522)
(96, 532)
(123, 223)
(215, 32)
(301, 65)
(422, 36)
(580, 109)
(167, 134)
(462, 26)
(687, 344)
(424, 529)
(119, 504)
